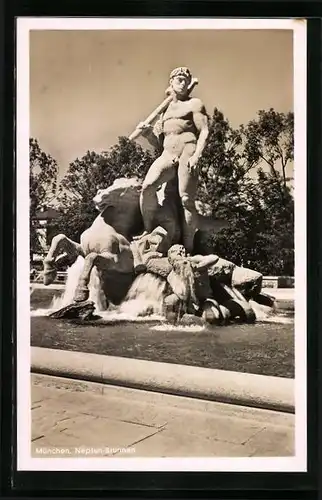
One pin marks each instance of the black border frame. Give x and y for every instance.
(160, 484)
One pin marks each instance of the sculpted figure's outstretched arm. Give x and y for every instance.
(203, 261)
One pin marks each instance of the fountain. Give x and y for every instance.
(151, 276)
(157, 271)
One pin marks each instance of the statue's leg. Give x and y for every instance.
(247, 281)
(162, 170)
(82, 291)
(106, 261)
(187, 190)
(238, 305)
(61, 248)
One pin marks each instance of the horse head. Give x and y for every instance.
(119, 205)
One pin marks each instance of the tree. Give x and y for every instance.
(43, 172)
(92, 172)
(276, 236)
(270, 139)
(257, 204)
(221, 167)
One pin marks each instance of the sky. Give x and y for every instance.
(87, 88)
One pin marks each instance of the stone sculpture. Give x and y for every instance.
(182, 131)
(204, 285)
(83, 311)
(201, 285)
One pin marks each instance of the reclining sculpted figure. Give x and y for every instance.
(198, 285)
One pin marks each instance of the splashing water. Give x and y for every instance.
(266, 314)
(143, 302)
(73, 274)
(145, 296)
(96, 294)
(182, 328)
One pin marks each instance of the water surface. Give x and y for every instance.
(261, 348)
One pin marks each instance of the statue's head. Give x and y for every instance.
(175, 252)
(180, 79)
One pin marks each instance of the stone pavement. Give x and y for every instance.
(72, 419)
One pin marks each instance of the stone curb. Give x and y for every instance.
(259, 391)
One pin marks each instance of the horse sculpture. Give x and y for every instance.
(108, 244)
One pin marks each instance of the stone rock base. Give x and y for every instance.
(79, 310)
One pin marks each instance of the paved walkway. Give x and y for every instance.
(78, 419)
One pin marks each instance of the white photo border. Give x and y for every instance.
(297, 463)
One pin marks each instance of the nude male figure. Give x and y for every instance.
(184, 130)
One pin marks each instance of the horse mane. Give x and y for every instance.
(111, 196)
